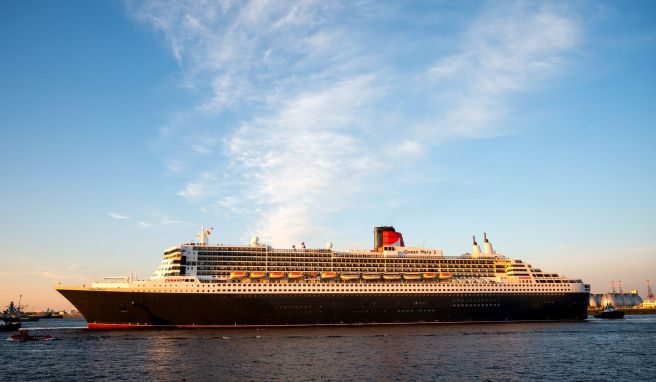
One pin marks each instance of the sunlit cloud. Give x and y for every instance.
(301, 102)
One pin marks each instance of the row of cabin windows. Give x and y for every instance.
(315, 290)
(232, 257)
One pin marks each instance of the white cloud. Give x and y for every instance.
(143, 224)
(167, 221)
(176, 165)
(294, 160)
(302, 100)
(508, 49)
(116, 216)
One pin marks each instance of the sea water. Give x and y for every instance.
(595, 350)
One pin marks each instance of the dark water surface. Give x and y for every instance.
(597, 350)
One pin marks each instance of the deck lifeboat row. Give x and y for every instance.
(239, 275)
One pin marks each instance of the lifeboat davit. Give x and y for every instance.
(429, 275)
(257, 275)
(276, 275)
(295, 275)
(371, 276)
(392, 276)
(237, 275)
(412, 276)
(445, 275)
(349, 276)
(328, 275)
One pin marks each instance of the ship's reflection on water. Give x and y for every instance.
(544, 351)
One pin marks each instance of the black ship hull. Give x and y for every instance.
(107, 310)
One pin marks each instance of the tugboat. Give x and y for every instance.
(23, 336)
(610, 313)
(15, 313)
(8, 326)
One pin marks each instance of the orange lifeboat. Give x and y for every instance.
(328, 275)
(429, 275)
(295, 275)
(445, 275)
(257, 275)
(237, 275)
(350, 276)
(276, 275)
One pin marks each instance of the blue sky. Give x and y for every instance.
(125, 125)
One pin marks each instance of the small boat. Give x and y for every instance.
(276, 275)
(371, 276)
(9, 326)
(444, 275)
(392, 276)
(50, 314)
(412, 276)
(295, 275)
(429, 275)
(23, 336)
(328, 275)
(610, 313)
(257, 275)
(237, 275)
(349, 276)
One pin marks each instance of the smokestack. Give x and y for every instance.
(476, 249)
(487, 245)
(386, 236)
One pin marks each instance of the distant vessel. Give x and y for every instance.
(51, 314)
(9, 326)
(610, 312)
(203, 285)
(14, 313)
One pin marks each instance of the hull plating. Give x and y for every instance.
(120, 310)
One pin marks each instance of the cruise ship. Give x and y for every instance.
(202, 285)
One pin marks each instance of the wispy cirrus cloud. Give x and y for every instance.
(144, 224)
(507, 50)
(302, 101)
(116, 216)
